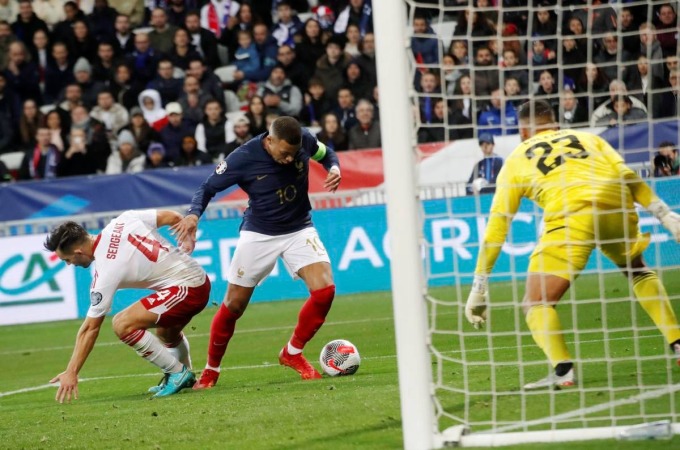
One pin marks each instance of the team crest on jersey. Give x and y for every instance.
(221, 168)
(95, 298)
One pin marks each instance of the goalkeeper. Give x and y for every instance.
(587, 194)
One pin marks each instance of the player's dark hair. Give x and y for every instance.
(538, 110)
(65, 236)
(288, 129)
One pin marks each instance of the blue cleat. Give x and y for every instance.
(176, 382)
(161, 384)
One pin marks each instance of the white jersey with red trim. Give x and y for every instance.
(130, 253)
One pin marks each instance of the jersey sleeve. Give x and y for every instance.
(509, 192)
(641, 192)
(226, 174)
(319, 152)
(103, 289)
(147, 216)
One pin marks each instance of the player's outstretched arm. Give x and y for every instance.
(166, 217)
(669, 219)
(68, 379)
(332, 179)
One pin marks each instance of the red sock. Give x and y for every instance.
(221, 331)
(312, 315)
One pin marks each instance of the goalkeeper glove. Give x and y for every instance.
(475, 309)
(669, 219)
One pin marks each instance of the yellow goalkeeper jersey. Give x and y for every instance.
(564, 172)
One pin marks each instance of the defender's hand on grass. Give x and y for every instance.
(669, 219)
(68, 386)
(475, 309)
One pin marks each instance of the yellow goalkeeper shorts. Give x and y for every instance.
(565, 246)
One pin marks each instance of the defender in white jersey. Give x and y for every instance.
(130, 253)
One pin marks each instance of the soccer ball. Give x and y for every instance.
(340, 357)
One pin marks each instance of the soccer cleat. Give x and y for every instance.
(675, 347)
(160, 386)
(299, 364)
(208, 379)
(553, 380)
(176, 382)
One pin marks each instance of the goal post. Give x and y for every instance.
(463, 387)
(405, 225)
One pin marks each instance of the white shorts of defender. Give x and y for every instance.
(256, 254)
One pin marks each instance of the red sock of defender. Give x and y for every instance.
(312, 315)
(221, 331)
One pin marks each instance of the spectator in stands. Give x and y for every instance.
(97, 142)
(316, 104)
(216, 15)
(544, 24)
(623, 113)
(651, 48)
(345, 109)
(667, 29)
(500, 117)
(311, 46)
(213, 133)
(483, 177)
(667, 160)
(463, 109)
(241, 134)
(152, 107)
(132, 9)
(245, 20)
(352, 41)
(288, 25)
(182, 51)
(359, 13)
(141, 131)
(365, 134)
(670, 100)
(437, 129)
(9, 10)
(72, 97)
(124, 40)
(174, 132)
(193, 100)
(210, 83)
(280, 95)
(156, 157)
(113, 115)
(484, 73)
(39, 54)
(549, 91)
(161, 36)
(295, 70)
(202, 39)
(429, 92)
(6, 134)
(593, 84)
(144, 59)
(78, 158)
(31, 120)
(82, 43)
(671, 63)
(104, 67)
(643, 85)
(6, 38)
(21, 74)
(41, 160)
(540, 57)
(247, 58)
(58, 73)
(177, 12)
(124, 89)
(256, 114)
(617, 88)
(102, 20)
(574, 57)
(128, 158)
(367, 58)
(578, 30)
(58, 134)
(510, 70)
(190, 155)
(513, 92)
(82, 71)
(358, 83)
(572, 112)
(10, 105)
(424, 43)
(615, 62)
(450, 74)
(50, 11)
(331, 66)
(459, 50)
(476, 25)
(332, 134)
(168, 87)
(628, 30)
(63, 31)
(27, 23)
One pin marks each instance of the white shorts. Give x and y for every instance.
(256, 255)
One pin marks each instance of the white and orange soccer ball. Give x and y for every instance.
(340, 357)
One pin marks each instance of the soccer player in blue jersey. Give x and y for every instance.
(273, 169)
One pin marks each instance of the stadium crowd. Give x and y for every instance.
(120, 86)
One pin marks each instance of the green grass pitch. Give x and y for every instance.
(260, 405)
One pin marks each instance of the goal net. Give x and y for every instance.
(604, 67)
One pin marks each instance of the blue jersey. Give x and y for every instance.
(278, 200)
